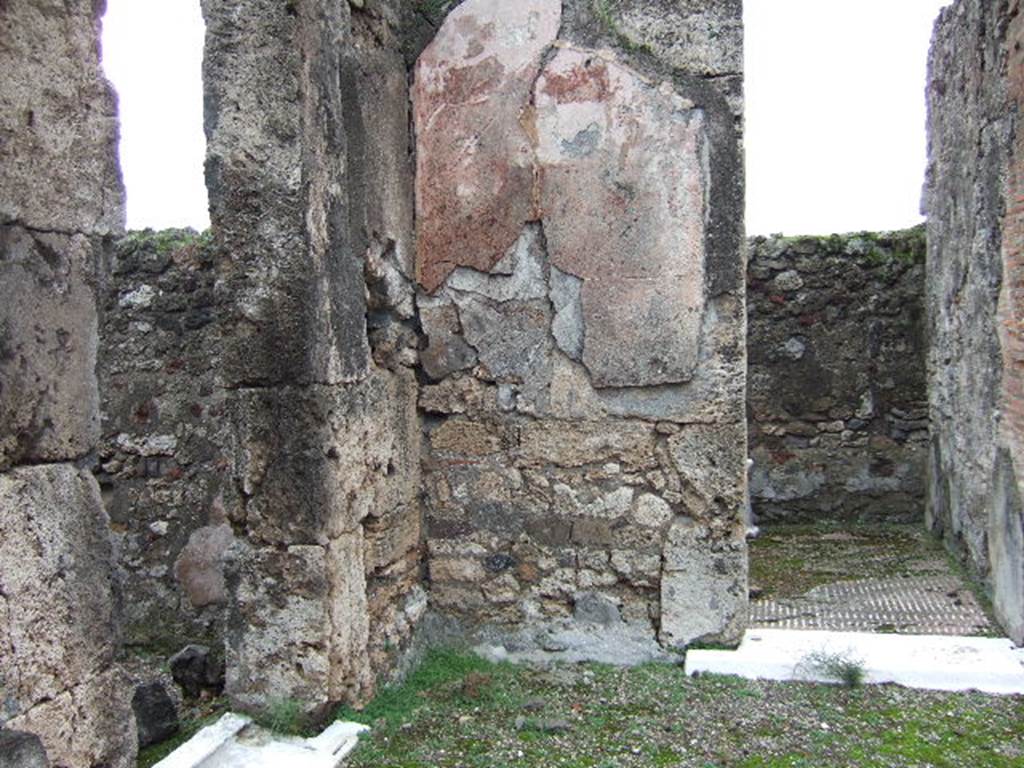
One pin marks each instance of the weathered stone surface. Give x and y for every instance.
(57, 582)
(703, 586)
(49, 409)
(278, 623)
(474, 167)
(572, 445)
(696, 36)
(625, 215)
(350, 677)
(280, 182)
(837, 382)
(311, 201)
(90, 724)
(21, 750)
(58, 122)
(976, 389)
(313, 463)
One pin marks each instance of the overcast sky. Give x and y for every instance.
(835, 136)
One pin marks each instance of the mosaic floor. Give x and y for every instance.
(860, 578)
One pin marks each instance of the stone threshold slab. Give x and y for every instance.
(234, 741)
(932, 662)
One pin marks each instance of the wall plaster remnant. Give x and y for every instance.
(585, 355)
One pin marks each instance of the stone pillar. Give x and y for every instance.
(60, 200)
(974, 198)
(579, 259)
(311, 207)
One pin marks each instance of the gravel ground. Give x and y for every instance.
(457, 710)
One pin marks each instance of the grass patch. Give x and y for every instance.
(457, 710)
(166, 240)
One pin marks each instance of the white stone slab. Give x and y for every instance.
(934, 662)
(207, 741)
(235, 742)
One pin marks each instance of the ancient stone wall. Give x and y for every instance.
(60, 201)
(162, 458)
(579, 199)
(310, 183)
(838, 409)
(973, 200)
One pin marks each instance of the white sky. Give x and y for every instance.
(835, 135)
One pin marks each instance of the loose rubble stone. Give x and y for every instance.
(156, 717)
(195, 668)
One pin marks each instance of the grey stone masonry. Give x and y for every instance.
(975, 268)
(837, 402)
(310, 186)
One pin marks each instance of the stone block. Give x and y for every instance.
(281, 184)
(703, 587)
(711, 462)
(465, 437)
(577, 444)
(59, 122)
(278, 625)
(48, 339)
(312, 463)
(199, 567)
(56, 576)
(90, 724)
(156, 717)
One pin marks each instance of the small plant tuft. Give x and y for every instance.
(841, 668)
(284, 716)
